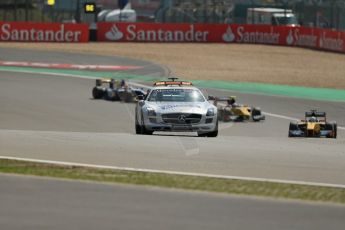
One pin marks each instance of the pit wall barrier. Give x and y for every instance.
(43, 32)
(222, 33)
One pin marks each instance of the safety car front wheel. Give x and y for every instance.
(209, 134)
(137, 126)
(143, 129)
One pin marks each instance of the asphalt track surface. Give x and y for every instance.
(54, 118)
(41, 203)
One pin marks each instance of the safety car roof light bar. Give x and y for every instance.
(173, 83)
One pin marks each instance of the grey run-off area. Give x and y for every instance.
(41, 203)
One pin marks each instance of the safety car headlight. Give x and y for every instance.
(151, 112)
(210, 112)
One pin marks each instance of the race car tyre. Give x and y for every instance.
(128, 97)
(256, 112)
(226, 114)
(106, 96)
(292, 127)
(220, 115)
(332, 126)
(109, 97)
(98, 82)
(116, 97)
(96, 93)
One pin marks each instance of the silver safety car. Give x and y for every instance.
(175, 106)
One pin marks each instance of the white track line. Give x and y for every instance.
(49, 73)
(281, 116)
(63, 163)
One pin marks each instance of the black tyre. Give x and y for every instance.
(116, 98)
(202, 134)
(137, 126)
(97, 93)
(256, 112)
(226, 114)
(209, 134)
(213, 134)
(292, 127)
(106, 96)
(332, 127)
(220, 115)
(98, 82)
(142, 127)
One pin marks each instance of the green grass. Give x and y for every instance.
(243, 187)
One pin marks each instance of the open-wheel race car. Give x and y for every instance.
(313, 125)
(115, 90)
(229, 110)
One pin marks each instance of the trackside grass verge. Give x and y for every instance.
(267, 189)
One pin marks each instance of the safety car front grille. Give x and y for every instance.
(181, 118)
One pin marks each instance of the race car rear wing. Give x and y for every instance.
(101, 81)
(314, 113)
(213, 98)
(317, 114)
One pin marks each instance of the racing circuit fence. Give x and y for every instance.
(315, 38)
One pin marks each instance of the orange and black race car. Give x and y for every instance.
(313, 125)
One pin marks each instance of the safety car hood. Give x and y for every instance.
(179, 107)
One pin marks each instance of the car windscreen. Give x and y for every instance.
(176, 95)
(287, 20)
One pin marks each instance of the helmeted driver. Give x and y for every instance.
(313, 119)
(232, 101)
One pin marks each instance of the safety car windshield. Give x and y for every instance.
(176, 95)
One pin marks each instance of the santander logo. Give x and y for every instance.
(228, 36)
(134, 32)
(114, 34)
(296, 37)
(244, 34)
(38, 33)
(329, 43)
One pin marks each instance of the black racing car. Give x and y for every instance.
(114, 90)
